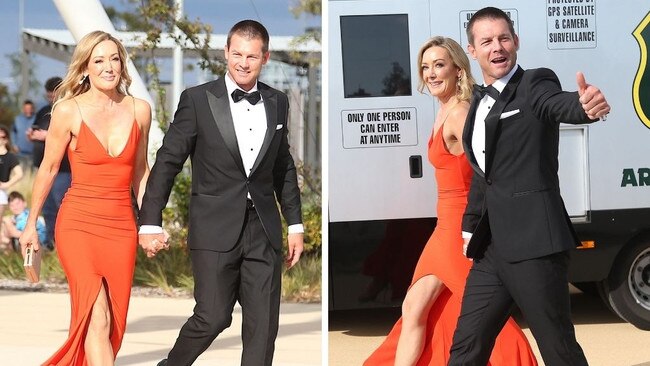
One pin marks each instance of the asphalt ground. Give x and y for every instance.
(605, 338)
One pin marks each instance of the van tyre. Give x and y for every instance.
(628, 285)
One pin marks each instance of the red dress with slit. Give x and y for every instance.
(96, 238)
(443, 257)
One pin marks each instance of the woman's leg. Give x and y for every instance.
(99, 351)
(415, 310)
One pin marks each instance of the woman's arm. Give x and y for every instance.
(141, 171)
(58, 137)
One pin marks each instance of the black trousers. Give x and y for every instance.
(539, 287)
(250, 274)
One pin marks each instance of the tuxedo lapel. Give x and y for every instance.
(271, 107)
(493, 121)
(220, 108)
(468, 131)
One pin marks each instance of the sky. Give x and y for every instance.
(220, 14)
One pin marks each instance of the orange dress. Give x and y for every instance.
(442, 256)
(96, 238)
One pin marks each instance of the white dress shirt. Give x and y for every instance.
(484, 107)
(250, 125)
(250, 128)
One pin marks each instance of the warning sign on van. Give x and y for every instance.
(379, 127)
(571, 24)
(466, 15)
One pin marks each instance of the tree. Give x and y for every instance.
(6, 107)
(34, 86)
(309, 8)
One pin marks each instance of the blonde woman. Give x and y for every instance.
(104, 131)
(423, 336)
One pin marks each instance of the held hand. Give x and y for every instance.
(465, 244)
(152, 243)
(27, 238)
(592, 99)
(296, 246)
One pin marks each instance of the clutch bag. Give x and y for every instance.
(32, 264)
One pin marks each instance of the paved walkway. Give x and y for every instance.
(34, 324)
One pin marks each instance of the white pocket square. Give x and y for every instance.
(508, 114)
(278, 127)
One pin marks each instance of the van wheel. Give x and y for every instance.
(628, 285)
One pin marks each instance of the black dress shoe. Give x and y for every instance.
(162, 363)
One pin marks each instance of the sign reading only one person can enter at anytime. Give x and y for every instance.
(379, 127)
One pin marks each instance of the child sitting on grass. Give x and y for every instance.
(13, 226)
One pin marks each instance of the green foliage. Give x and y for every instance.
(302, 283)
(310, 186)
(171, 270)
(17, 64)
(155, 17)
(313, 7)
(167, 270)
(11, 266)
(7, 113)
(176, 216)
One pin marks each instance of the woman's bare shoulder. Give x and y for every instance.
(142, 112)
(459, 112)
(65, 112)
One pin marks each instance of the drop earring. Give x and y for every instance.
(83, 79)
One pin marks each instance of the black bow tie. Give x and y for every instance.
(481, 91)
(252, 98)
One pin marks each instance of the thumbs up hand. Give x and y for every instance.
(592, 99)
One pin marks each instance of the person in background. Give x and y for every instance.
(13, 226)
(37, 134)
(22, 123)
(10, 170)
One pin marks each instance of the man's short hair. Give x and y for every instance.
(52, 83)
(488, 13)
(15, 196)
(250, 29)
(28, 101)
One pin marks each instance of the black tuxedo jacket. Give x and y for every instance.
(203, 130)
(516, 203)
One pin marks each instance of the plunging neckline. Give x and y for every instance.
(104, 149)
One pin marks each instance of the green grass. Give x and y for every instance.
(302, 283)
(11, 266)
(171, 270)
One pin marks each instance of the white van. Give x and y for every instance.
(382, 190)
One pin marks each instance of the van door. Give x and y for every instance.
(379, 123)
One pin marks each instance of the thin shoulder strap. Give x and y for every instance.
(78, 107)
(448, 113)
(133, 98)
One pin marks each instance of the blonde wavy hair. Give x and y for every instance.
(458, 57)
(70, 87)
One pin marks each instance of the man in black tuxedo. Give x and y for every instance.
(521, 230)
(234, 130)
